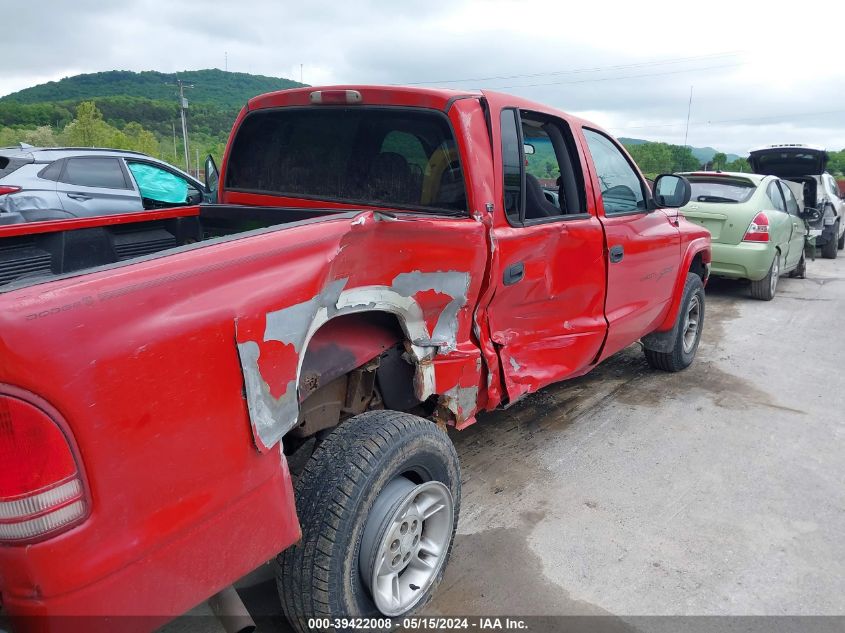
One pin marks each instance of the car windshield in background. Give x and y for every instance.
(380, 156)
(721, 190)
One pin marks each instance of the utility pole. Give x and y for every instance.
(183, 109)
(689, 110)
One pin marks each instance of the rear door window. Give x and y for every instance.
(398, 157)
(94, 172)
(775, 196)
(542, 176)
(52, 171)
(789, 197)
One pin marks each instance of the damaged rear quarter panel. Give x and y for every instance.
(402, 266)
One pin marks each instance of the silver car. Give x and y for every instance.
(71, 182)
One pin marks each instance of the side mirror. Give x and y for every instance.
(528, 149)
(671, 191)
(212, 177)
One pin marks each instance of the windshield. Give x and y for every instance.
(382, 156)
(721, 190)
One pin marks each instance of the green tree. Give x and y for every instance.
(836, 164)
(718, 161)
(740, 164)
(683, 158)
(140, 140)
(652, 158)
(88, 128)
(42, 136)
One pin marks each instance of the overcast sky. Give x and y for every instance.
(760, 74)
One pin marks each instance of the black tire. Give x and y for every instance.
(320, 577)
(681, 355)
(829, 249)
(765, 288)
(800, 271)
(841, 243)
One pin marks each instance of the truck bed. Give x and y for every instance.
(37, 252)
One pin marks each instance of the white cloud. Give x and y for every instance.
(784, 67)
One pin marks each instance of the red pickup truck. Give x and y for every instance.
(186, 393)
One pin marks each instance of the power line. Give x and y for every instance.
(574, 71)
(583, 81)
(745, 119)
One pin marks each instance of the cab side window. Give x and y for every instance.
(789, 197)
(542, 176)
(511, 166)
(775, 197)
(621, 187)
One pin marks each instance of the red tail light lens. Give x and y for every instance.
(41, 489)
(4, 189)
(758, 230)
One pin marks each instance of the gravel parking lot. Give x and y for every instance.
(718, 490)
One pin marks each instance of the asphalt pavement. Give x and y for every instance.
(719, 490)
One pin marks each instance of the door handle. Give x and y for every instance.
(514, 273)
(78, 196)
(616, 253)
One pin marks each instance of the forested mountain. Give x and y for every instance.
(125, 100)
(226, 90)
(703, 154)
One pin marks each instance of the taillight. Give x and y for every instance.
(41, 487)
(4, 189)
(329, 97)
(758, 230)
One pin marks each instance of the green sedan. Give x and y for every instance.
(756, 226)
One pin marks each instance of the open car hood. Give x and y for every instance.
(786, 161)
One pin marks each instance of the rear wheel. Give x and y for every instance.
(831, 248)
(766, 288)
(841, 243)
(687, 330)
(378, 505)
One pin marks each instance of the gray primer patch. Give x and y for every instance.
(513, 363)
(290, 325)
(461, 400)
(265, 411)
(452, 284)
(272, 417)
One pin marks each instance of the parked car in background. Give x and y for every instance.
(54, 183)
(756, 227)
(805, 165)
